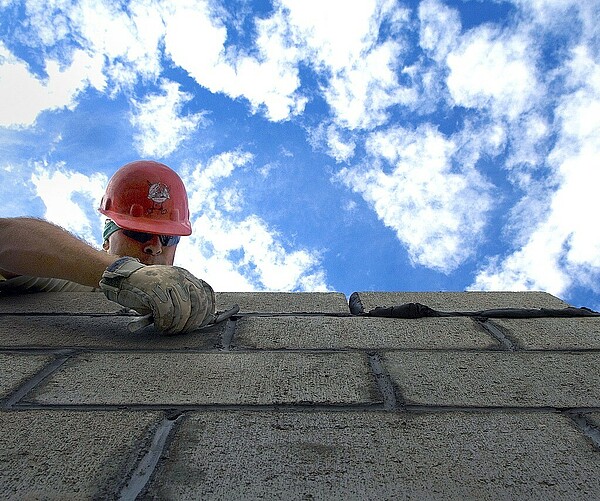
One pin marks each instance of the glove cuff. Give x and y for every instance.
(114, 275)
(122, 267)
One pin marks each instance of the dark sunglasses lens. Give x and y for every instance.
(169, 240)
(165, 240)
(138, 236)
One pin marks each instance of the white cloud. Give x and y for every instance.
(360, 95)
(342, 44)
(70, 198)
(416, 184)
(439, 29)
(160, 122)
(239, 254)
(350, 206)
(337, 36)
(273, 79)
(196, 40)
(118, 48)
(337, 142)
(24, 95)
(340, 149)
(333, 140)
(131, 40)
(571, 17)
(202, 184)
(494, 71)
(562, 248)
(15, 189)
(421, 183)
(534, 267)
(266, 169)
(529, 139)
(128, 39)
(48, 21)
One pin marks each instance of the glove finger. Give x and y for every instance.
(202, 297)
(181, 310)
(133, 298)
(163, 309)
(197, 311)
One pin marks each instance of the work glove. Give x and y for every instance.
(171, 297)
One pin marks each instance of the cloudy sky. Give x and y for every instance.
(344, 145)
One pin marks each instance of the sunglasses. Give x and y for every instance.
(165, 240)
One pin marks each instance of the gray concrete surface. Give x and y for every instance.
(294, 398)
(461, 301)
(258, 378)
(58, 303)
(249, 302)
(339, 455)
(594, 420)
(54, 454)
(15, 368)
(284, 302)
(100, 332)
(549, 334)
(504, 379)
(361, 333)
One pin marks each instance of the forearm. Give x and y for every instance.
(38, 248)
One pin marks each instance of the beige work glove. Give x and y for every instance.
(170, 296)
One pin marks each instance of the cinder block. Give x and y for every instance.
(553, 333)
(284, 302)
(98, 332)
(345, 455)
(54, 454)
(594, 419)
(15, 369)
(489, 379)
(249, 302)
(456, 301)
(60, 303)
(255, 378)
(360, 333)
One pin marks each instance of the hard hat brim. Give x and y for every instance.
(156, 227)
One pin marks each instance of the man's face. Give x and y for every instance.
(149, 252)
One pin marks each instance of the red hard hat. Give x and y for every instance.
(147, 196)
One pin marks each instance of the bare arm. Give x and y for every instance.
(35, 247)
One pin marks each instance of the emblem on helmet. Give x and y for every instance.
(159, 194)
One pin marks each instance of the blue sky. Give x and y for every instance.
(332, 145)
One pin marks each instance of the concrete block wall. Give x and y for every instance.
(298, 398)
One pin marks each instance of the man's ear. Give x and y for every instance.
(106, 245)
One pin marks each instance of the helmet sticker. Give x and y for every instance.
(159, 194)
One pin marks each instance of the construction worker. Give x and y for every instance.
(147, 212)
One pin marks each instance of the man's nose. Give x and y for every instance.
(153, 246)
